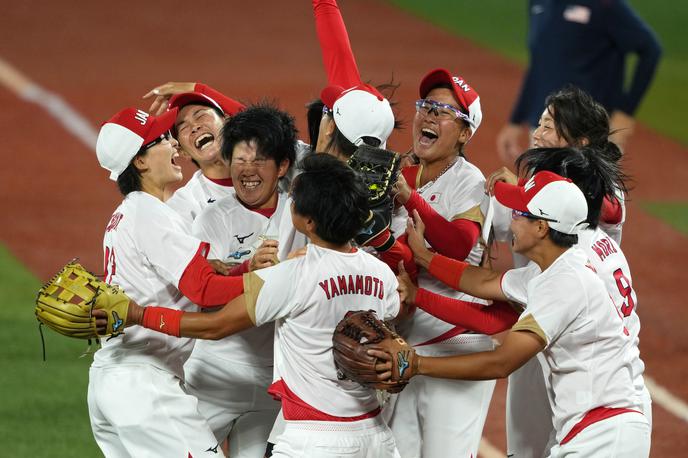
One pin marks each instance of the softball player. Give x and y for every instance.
(596, 178)
(306, 299)
(230, 377)
(149, 253)
(571, 323)
(447, 191)
(202, 113)
(572, 118)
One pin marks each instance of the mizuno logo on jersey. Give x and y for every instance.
(211, 200)
(241, 239)
(239, 254)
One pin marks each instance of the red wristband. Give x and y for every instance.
(447, 270)
(161, 319)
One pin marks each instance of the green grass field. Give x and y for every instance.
(665, 107)
(43, 409)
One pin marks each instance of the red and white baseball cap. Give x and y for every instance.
(465, 94)
(360, 111)
(123, 135)
(550, 197)
(227, 106)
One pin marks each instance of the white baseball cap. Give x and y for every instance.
(549, 197)
(123, 135)
(360, 111)
(467, 97)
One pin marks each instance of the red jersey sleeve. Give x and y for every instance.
(338, 58)
(450, 238)
(204, 287)
(485, 319)
(611, 212)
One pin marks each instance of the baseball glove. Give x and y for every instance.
(64, 304)
(379, 169)
(361, 331)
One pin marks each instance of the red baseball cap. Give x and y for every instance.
(467, 97)
(226, 106)
(547, 196)
(123, 135)
(360, 111)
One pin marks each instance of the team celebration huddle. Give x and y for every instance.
(328, 297)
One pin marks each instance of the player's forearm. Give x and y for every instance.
(486, 365)
(459, 275)
(229, 320)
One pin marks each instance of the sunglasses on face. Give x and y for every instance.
(517, 213)
(163, 137)
(443, 111)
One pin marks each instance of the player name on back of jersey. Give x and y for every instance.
(366, 285)
(603, 248)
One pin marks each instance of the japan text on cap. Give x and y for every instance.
(123, 135)
(468, 98)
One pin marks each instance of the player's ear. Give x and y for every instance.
(140, 162)
(282, 168)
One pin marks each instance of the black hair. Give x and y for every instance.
(314, 113)
(272, 130)
(562, 240)
(130, 180)
(578, 117)
(465, 123)
(332, 195)
(596, 177)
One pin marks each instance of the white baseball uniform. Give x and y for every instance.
(230, 377)
(528, 418)
(136, 402)
(424, 416)
(589, 358)
(198, 193)
(306, 297)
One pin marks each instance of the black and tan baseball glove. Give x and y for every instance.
(361, 331)
(379, 169)
(66, 302)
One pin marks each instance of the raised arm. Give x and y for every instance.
(338, 58)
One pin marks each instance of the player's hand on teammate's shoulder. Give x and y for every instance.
(265, 255)
(163, 93)
(502, 174)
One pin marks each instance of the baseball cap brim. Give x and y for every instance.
(189, 98)
(511, 196)
(330, 94)
(161, 124)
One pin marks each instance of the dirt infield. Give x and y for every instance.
(56, 200)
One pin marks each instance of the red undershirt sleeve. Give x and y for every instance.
(400, 251)
(229, 105)
(338, 58)
(450, 238)
(611, 211)
(204, 287)
(485, 319)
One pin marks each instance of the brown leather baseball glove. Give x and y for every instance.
(361, 331)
